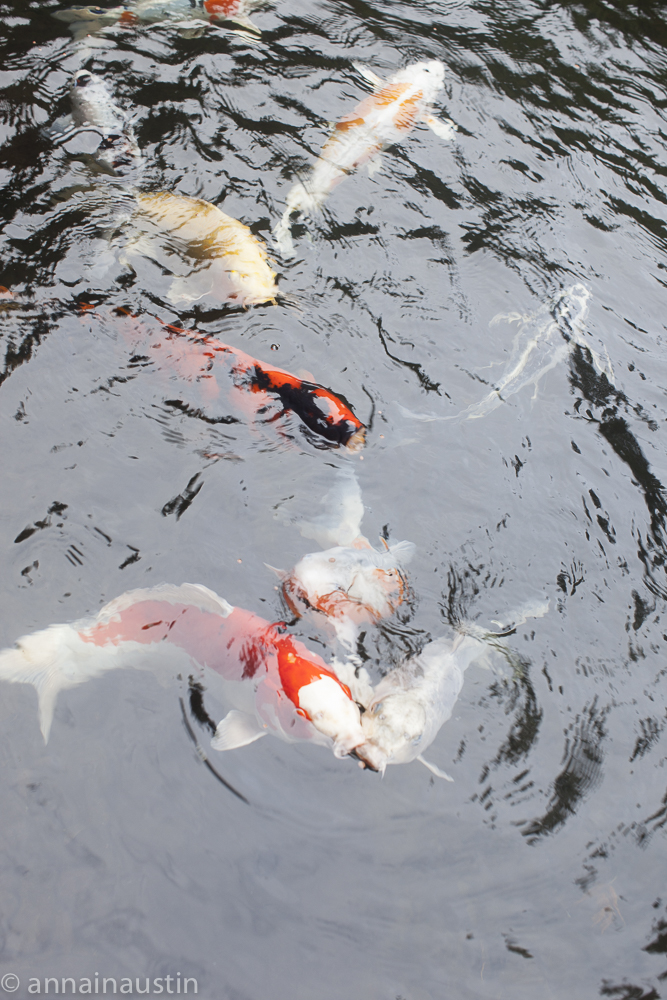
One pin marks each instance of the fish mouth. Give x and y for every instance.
(370, 757)
(357, 441)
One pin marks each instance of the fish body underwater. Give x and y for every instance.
(222, 256)
(198, 358)
(352, 585)
(274, 682)
(84, 21)
(94, 109)
(414, 700)
(382, 119)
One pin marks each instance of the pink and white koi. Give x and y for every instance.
(275, 684)
(382, 119)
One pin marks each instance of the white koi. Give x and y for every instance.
(382, 119)
(544, 339)
(352, 585)
(94, 109)
(413, 701)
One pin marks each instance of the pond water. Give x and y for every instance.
(541, 869)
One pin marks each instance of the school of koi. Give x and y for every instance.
(273, 682)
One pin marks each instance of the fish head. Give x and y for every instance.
(329, 706)
(428, 76)
(394, 727)
(95, 16)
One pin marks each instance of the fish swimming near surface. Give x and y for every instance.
(409, 706)
(85, 21)
(275, 684)
(543, 340)
(94, 109)
(215, 254)
(351, 585)
(199, 358)
(382, 119)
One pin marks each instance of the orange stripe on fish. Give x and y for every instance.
(221, 8)
(297, 672)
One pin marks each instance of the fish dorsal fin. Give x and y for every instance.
(375, 81)
(434, 770)
(237, 729)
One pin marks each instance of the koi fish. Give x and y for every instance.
(84, 21)
(413, 701)
(352, 585)
(275, 684)
(229, 262)
(543, 340)
(381, 120)
(194, 356)
(94, 109)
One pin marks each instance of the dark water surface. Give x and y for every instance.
(541, 871)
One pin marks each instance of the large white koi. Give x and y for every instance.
(275, 684)
(409, 706)
(382, 119)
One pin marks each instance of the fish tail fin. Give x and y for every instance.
(249, 26)
(51, 661)
(434, 770)
(367, 73)
(282, 234)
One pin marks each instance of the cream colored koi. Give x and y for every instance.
(222, 258)
(382, 119)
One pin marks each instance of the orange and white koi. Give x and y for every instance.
(84, 21)
(198, 358)
(222, 257)
(275, 684)
(382, 119)
(352, 585)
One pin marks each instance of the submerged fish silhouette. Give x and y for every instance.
(94, 109)
(90, 20)
(275, 684)
(380, 120)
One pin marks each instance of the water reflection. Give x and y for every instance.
(341, 883)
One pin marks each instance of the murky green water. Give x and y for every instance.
(540, 871)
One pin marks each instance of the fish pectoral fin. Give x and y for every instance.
(375, 165)
(375, 81)
(434, 770)
(237, 729)
(443, 127)
(280, 573)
